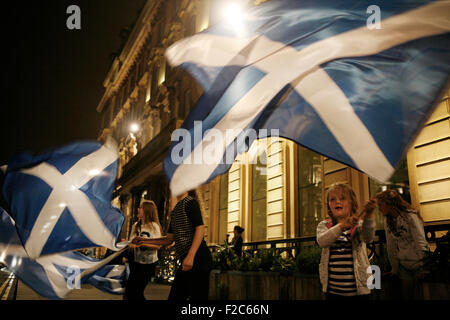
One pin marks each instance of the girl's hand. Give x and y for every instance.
(349, 223)
(188, 263)
(136, 240)
(132, 245)
(369, 207)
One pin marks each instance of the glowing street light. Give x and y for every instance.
(234, 16)
(134, 127)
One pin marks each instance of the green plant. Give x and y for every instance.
(225, 259)
(308, 259)
(283, 265)
(252, 262)
(266, 257)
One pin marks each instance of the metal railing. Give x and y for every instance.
(292, 245)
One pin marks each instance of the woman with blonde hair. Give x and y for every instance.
(143, 266)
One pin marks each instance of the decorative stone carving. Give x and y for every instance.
(131, 146)
(122, 158)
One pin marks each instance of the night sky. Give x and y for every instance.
(54, 76)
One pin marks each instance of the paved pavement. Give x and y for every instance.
(8, 284)
(153, 291)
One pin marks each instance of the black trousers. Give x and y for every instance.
(192, 285)
(140, 276)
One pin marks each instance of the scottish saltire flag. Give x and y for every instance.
(61, 201)
(56, 275)
(110, 279)
(320, 73)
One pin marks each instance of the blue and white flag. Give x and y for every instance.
(56, 275)
(110, 279)
(322, 73)
(61, 201)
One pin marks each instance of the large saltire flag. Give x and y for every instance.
(61, 201)
(54, 276)
(318, 71)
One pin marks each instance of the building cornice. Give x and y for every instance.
(133, 47)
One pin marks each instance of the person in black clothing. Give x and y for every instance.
(237, 241)
(187, 231)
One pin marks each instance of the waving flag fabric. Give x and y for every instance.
(110, 279)
(54, 276)
(61, 201)
(318, 73)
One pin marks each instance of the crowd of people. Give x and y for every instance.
(343, 237)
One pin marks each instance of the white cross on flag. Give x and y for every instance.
(314, 71)
(61, 201)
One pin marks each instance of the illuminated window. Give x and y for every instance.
(223, 208)
(162, 73)
(259, 198)
(148, 94)
(310, 191)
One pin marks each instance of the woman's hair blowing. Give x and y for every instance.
(150, 214)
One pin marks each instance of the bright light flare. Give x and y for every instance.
(233, 12)
(234, 16)
(94, 172)
(2, 257)
(134, 127)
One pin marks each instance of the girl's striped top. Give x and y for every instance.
(341, 275)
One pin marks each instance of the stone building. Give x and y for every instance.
(276, 190)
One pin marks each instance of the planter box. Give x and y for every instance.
(308, 287)
(435, 290)
(391, 290)
(238, 285)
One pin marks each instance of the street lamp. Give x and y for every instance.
(134, 127)
(233, 15)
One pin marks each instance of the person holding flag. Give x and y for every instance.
(186, 231)
(143, 264)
